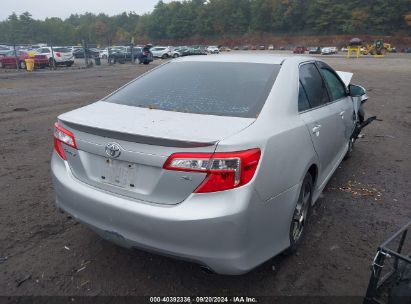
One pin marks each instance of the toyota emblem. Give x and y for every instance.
(113, 150)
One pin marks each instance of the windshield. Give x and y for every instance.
(211, 88)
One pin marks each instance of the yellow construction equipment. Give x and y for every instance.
(377, 49)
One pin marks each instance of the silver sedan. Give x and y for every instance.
(219, 166)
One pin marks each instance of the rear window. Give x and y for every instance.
(61, 50)
(210, 88)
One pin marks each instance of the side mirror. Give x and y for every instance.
(358, 91)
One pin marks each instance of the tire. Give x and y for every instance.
(22, 65)
(146, 62)
(301, 214)
(175, 56)
(69, 64)
(350, 149)
(165, 56)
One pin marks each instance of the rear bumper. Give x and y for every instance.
(221, 230)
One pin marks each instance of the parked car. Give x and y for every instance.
(218, 168)
(271, 47)
(176, 53)
(224, 49)
(103, 53)
(245, 48)
(163, 52)
(62, 55)
(344, 49)
(262, 47)
(4, 50)
(329, 50)
(9, 60)
(123, 54)
(191, 51)
(314, 50)
(299, 50)
(213, 50)
(236, 48)
(90, 53)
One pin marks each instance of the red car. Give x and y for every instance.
(8, 60)
(299, 50)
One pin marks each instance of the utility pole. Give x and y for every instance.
(85, 52)
(53, 61)
(15, 56)
(132, 51)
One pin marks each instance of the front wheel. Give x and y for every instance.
(165, 56)
(301, 213)
(350, 149)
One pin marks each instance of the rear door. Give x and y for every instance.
(319, 116)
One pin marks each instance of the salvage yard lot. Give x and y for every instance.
(43, 252)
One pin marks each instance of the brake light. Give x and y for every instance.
(58, 54)
(225, 170)
(63, 136)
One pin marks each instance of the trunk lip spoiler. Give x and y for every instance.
(142, 139)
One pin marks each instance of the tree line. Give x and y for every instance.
(190, 19)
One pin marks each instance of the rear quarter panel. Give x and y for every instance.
(280, 133)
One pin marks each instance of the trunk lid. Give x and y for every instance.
(142, 140)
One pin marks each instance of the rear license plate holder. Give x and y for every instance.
(119, 173)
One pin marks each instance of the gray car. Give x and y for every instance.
(219, 166)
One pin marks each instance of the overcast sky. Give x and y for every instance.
(63, 8)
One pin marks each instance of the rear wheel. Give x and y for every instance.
(165, 56)
(175, 56)
(301, 214)
(69, 64)
(146, 62)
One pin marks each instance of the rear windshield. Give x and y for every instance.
(61, 50)
(211, 88)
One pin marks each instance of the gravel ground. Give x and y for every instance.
(43, 252)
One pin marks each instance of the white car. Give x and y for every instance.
(212, 50)
(161, 51)
(104, 53)
(329, 50)
(59, 55)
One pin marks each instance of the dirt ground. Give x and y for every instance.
(43, 252)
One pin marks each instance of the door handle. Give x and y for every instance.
(342, 114)
(316, 130)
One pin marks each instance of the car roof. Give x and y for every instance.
(246, 58)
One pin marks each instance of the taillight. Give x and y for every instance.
(225, 170)
(63, 136)
(58, 54)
